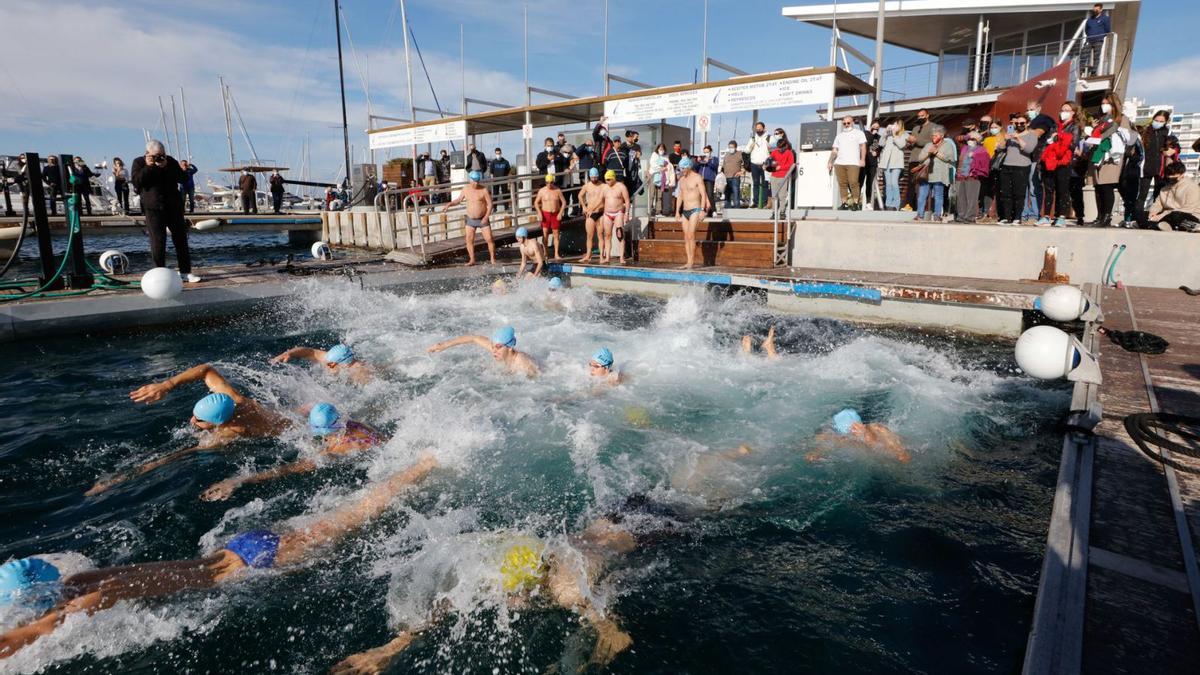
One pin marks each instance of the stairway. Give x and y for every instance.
(737, 243)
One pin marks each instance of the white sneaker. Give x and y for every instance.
(190, 278)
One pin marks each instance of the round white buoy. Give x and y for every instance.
(210, 224)
(113, 261)
(321, 251)
(162, 283)
(1063, 303)
(1044, 352)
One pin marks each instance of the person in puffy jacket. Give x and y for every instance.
(782, 159)
(1056, 168)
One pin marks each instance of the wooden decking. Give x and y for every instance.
(1128, 601)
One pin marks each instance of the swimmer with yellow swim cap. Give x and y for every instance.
(529, 571)
(615, 197)
(551, 204)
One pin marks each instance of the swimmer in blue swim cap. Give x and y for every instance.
(592, 200)
(92, 591)
(602, 366)
(478, 212)
(690, 208)
(338, 359)
(768, 345)
(223, 416)
(848, 429)
(338, 434)
(502, 346)
(532, 256)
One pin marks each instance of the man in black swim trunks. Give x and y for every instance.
(479, 209)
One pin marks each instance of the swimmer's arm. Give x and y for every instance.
(374, 660)
(610, 639)
(156, 391)
(527, 365)
(306, 353)
(891, 443)
(477, 340)
(454, 202)
(106, 484)
(487, 201)
(225, 489)
(521, 269)
(537, 256)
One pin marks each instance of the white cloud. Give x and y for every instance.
(1168, 83)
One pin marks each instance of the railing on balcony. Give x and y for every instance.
(955, 73)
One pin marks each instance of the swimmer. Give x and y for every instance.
(849, 429)
(690, 208)
(708, 476)
(222, 417)
(502, 346)
(340, 436)
(768, 345)
(92, 591)
(601, 367)
(593, 205)
(338, 359)
(612, 223)
(550, 204)
(531, 254)
(479, 210)
(499, 287)
(555, 301)
(528, 570)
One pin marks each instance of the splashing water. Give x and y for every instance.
(750, 562)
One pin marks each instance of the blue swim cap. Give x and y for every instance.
(593, 172)
(323, 419)
(685, 163)
(522, 233)
(214, 408)
(29, 579)
(845, 418)
(340, 354)
(604, 357)
(505, 336)
(555, 283)
(475, 176)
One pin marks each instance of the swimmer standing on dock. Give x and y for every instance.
(224, 416)
(690, 208)
(612, 223)
(479, 210)
(338, 359)
(93, 591)
(502, 347)
(849, 429)
(550, 205)
(591, 199)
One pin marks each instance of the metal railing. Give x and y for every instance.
(780, 254)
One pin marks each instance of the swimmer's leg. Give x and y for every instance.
(589, 227)
(295, 546)
(605, 238)
(619, 227)
(769, 344)
(487, 237)
(747, 345)
(470, 235)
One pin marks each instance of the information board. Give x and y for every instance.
(818, 135)
(429, 133)
(761, 95)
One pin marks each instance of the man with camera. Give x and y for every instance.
(157, 177)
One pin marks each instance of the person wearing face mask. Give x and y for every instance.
(53, 179)
(867, 178)
(545, 158)
(82, 175)
(848, 159)
(498, 168)
(733, 166)
(1177, 206)
(974, 165)
(1044, 126)
(1154, 143)
(605, 148)
(993, 138)
(782, 160)
(891, 161)
(1056, 169)
(920, 135)
(941, 156)
(476, 160)
(1014, 171)
(1096, 29)
(707, 165)
(1108, 141)
(759, 148)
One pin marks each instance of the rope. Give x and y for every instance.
(1144, 429)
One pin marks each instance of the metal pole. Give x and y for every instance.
(528, 94)
(175, 123)
(704, 67)
(187, 137)
(412, 105)
(879, 19)
(41, 226)
(462, 71)
(606, 47)
(228, 120)
(978, 54)
(337, 22)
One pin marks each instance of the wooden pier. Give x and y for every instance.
(1120, 591)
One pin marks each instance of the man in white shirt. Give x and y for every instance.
(759, 146)
(848, 158)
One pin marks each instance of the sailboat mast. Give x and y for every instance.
(228, 122)
(187, 139)
(337, 22)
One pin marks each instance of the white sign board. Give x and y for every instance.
(815, 186)
(784, 92)
(703, 122)
(429, 133)
(527, 132)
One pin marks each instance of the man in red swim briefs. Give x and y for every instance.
(550, 203)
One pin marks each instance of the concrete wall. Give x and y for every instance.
(1155, 259)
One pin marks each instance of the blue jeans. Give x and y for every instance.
(733, 193)
(891, 185)
(1033, 194)
(758, 184)
(939, 195)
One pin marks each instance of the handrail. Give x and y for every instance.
(777, 258)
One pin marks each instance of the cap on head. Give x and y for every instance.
(522, 568)
(324, 419)
(29, 579)
(339, 354)
(506, 336)
(593, 172)
(845, 419)
(522, 233)
(555, 283)
(549, 178)
(610, 175)
(475, 176)
(603, 357)
(685, 163)
(214, 408)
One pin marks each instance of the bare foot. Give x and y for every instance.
(557, 258)
(686, 267)
(470, 263)
(585, 258)
(747, 346)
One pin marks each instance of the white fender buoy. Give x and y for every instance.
(1046, 352)
(162, 283)
(321, 251)
(113, 261)
(1062, 303)
(210, 224)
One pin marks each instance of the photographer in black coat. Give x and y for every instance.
(157, 177)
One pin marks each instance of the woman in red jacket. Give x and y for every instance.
(1056, 168)
(782, 159)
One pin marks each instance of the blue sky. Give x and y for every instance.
(96, 95)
